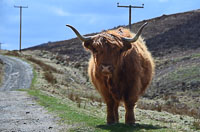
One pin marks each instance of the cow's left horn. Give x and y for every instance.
(135, 38)
(82, 38)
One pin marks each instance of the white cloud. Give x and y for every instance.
(13, 18)
(9, 2)
(59, 11)
(6, 46)
(163, 1)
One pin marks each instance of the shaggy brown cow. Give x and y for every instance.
(120, 67)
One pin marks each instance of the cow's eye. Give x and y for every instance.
(94, 51)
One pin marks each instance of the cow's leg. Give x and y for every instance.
(116, 112)
(131, 96)
(129, 116)
(110, 111)
(129, 106)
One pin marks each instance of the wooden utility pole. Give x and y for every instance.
(130, 7)
(20, 36)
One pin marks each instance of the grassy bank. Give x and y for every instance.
(82, 120)
(1, 71)
(84, 113)
(91, 118)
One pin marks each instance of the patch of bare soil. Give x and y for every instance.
(17, 74)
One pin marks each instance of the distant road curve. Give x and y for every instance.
(19, 112)
(17, 74)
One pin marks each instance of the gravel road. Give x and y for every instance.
(18, 74)
(18, 111)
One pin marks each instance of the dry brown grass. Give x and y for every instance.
(50, 78)
(48, 70)
(171, 106)
(44, 66)
(75, 98)
(196, 124)
(13, 53)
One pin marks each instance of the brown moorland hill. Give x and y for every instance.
(163, 35)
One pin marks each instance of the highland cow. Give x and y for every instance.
(121, 68)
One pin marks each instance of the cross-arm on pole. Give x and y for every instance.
(130, 7)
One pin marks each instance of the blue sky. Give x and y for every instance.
(45, 20)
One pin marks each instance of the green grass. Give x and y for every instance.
(34, 79)
(197, 55)
(185, 73)
(83, 121)
(175, 60)
(66, 112)
(196, 124)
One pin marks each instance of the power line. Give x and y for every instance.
(130, 7)
(20, 36)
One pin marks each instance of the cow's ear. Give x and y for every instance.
(126, 46)
(88, 45)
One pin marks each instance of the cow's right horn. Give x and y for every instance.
(82, 38)
(135, 38)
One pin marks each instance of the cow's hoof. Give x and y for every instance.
(111, 123)
(132, 124)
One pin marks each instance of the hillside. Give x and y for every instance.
(162, 35)
(176, 31)
(174, 41)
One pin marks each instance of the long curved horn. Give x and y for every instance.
(82, 38)
(135, 38)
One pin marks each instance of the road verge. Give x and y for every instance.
(1, 71)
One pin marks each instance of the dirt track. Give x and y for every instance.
(18, 74)
(18, 111)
